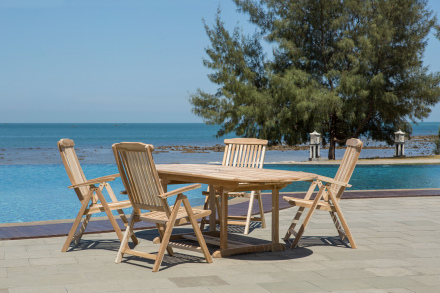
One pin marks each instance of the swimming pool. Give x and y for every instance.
(39, 192)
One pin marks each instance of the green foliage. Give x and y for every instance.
(437, 144)
(343, 67)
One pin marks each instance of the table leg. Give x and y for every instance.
(275, 216)
(212, 217)
(223, 220)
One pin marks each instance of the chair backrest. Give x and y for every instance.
(348, 163)
(244, 152)
(139, 175)
(73, 168)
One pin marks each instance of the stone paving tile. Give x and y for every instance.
(424, 289)
(427, 270)
(248, 288)
(392, 256)
(181, 290)
(389, 290)
(199, 282)
(249, 278)
(391, 272)
(52, 261)
(392, 282)
(426, 253)
(18, 248)
(345, 274)
(340, 284)
(43, 280)
(295, 276)
(10, 263)
(147, 283)
(27, 254)
(297, 287)
(43, 246)
(39, 289)
(108, 286)
(307, 266)
(431, 280)
(422, 246)
(33, 270)
(373, 254)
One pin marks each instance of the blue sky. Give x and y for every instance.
(112, 61)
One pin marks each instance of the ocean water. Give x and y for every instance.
(46, 135)
(96, 135)
(36, 143)
(39, 192)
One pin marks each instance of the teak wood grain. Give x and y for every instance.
(227, 179)
(141, 181)
(328, 197)
(90, 196)
(243, 153)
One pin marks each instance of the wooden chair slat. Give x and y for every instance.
(327, 197)
(246, 153)
(91, 198)
(139, 175)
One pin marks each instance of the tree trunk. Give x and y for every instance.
(332, 142)
(332, 148)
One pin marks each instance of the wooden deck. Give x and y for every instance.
(59, 228)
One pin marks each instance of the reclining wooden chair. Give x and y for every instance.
(141, 181)
(243, 153)
(328, 196)
(89, 193)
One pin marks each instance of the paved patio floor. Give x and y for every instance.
(398, 251)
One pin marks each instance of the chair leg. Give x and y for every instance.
(125, 221)
(249, 213)
(300, 211)
(260, 204)
(109, 214)
(161, 230)
(308, 217)
(337, 225)
(167, 234)
(124, 242)
(342, 219)
(203, 220)
(218, 205)
(78, 237)
(77, 221)
(197, 231)
(120, 211)
(294, 222)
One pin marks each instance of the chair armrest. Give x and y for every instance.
(180, 190)
(332, 181)
(96, 180)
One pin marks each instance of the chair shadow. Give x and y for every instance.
(311, 241)
(235, 234)
(167, 262)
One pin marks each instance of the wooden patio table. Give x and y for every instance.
(223, 179)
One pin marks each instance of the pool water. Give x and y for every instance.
(39, 192)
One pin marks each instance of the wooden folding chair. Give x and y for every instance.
(243, 153)
(141, 181)
(328, 196)
(89, 193)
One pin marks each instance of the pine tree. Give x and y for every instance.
(346, 68)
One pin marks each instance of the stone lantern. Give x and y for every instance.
(399, 140)
(315, 142)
